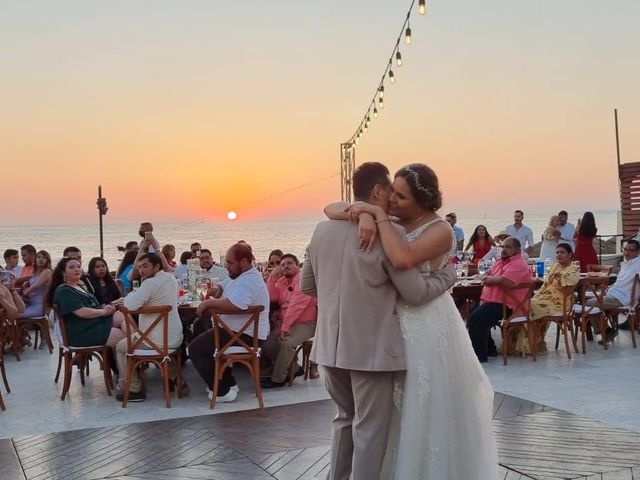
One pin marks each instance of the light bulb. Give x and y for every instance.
(357, 140)
(392, 77)
(365, 128)
(407, 36)
(368, 119)
(398, 58)
(375, 113)
(422, 7)
(381, 102)
(381, 92)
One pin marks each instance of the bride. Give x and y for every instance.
(442, 429)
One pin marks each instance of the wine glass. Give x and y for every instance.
(135, 284)
(202, 287)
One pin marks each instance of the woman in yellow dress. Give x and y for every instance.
(548, 300)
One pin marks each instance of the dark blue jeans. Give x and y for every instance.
(480, 321)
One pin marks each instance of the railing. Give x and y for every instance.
(606, 237)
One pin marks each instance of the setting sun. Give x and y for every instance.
(232, 215)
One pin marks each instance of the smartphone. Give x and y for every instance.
(148, 235)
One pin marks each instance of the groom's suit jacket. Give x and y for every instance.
(358, 327)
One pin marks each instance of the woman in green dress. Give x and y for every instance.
(87, 322)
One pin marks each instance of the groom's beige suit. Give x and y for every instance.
(358, 339)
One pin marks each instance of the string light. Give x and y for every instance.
(378, 99)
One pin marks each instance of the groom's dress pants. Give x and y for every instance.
(361, 426)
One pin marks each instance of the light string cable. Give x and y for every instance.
(377, 102)
(273, 195)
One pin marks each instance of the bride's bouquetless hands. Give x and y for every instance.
(367, 231)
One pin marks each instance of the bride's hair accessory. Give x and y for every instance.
(416, 181)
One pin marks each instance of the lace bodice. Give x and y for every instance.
(425, 268)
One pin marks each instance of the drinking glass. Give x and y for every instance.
(135, 284)
(201, 288)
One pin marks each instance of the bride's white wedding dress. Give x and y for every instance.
(441, 429)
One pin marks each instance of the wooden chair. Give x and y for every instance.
(305, 348)
(142, 350)
(236, 350)
(597, 268)
(40, 325)
(594, 289)
(80, 356)
(12, 336)
(628, 310)
(563, 320)
(519, 318)
(3, 336)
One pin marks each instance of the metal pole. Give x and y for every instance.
(615, 116)
(100, 220)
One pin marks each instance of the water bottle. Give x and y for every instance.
(547, 266)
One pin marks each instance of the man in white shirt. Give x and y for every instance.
(213, 270)
(243, 288)
(520, 231)
(158, 288)
(566, 229)
(619, 294)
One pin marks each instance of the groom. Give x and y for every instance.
(358, 338)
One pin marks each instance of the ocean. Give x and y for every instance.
(290, 237)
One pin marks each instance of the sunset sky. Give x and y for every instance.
(186, 109)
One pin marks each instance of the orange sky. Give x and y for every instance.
(184, 110)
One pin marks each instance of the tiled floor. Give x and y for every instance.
(291, 442)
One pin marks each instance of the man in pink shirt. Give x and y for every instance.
(509, 271)
(297, 319)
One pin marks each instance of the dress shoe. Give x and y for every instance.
(133, 397)
(268, 383)
(624, 325)
(229, 397)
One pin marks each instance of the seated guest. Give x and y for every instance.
(33, 289)
(125, 268)
(481, 242)
(619, 294)
(549, 299)
(509, 271)
(102, 283)
(243, 288)
(11, 301)
(495, 253)
(273, 262)
(213, 270)
(74, 252)
(87, 323)
(169, 252)
(158, 288)
(195, 249)
(11, 258)
(28, 254)
(298, 315)
(183, 268)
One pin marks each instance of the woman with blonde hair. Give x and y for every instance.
(550, 239)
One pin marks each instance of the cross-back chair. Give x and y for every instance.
(305, 347)
(591, 289)
(142, 350)
(236, 350)
(3, 338)
(563, 320)
(80, 356)
(518, 318)
(629, 311)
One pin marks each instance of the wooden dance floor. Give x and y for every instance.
(292, 442)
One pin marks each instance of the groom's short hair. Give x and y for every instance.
(367, 176)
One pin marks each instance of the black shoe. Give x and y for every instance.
(268, 383)
(611, 333)
(624, 326)
(492, 353)
(133, 397)
(299, 372)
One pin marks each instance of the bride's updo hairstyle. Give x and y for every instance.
(424, 185)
